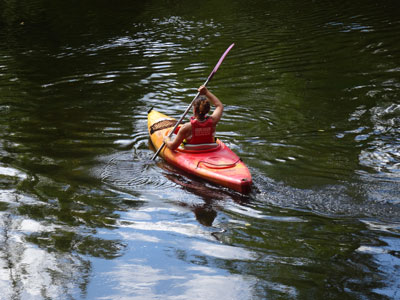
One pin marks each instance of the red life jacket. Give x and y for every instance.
(202, 131)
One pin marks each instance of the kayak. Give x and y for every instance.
(213, 162)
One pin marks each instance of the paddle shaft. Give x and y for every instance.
(191, 103)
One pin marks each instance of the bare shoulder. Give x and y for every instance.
(186, 129)
(216, 118)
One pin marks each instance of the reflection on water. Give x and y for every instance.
(383, 153)
(31, 272)
(387, 256)
(138, 280)
(311, 94)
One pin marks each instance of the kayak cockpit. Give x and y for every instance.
(197, 148)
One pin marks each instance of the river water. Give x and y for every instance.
(312, 106)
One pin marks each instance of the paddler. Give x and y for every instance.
(201, 128)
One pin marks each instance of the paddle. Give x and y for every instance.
(198, 93)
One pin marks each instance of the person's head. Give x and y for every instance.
(201, 107)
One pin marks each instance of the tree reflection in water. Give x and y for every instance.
(43, 257)
(29, 271)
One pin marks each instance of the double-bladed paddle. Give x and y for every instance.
(198, 93)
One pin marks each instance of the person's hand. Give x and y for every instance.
(202, 90)
(166, 139)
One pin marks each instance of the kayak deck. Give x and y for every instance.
(219, 164)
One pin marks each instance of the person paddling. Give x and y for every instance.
(201, 128)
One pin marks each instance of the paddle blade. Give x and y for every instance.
(220, 61)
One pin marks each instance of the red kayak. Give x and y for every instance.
(213, 162)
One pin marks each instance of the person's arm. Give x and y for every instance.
(219, 107)
(183, 133)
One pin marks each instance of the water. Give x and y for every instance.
(312, 105)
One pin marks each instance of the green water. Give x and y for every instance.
(312, 106)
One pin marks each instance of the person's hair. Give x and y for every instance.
(202, 106)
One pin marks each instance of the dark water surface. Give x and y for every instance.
(312, 95)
